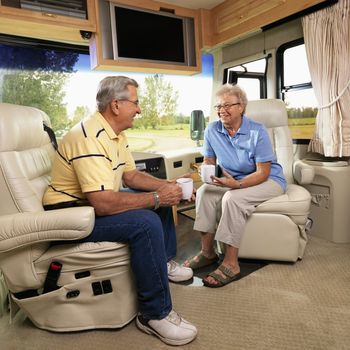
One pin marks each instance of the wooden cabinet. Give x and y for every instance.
(232, 20)
(46, 25)
(101, 44)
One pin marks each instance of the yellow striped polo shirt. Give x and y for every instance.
(90, 157)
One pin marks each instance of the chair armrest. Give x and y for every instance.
(20, 229)
(303, 173)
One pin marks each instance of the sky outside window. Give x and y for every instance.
(194, 91)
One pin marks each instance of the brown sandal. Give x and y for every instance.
(200, 260)
(230, 277)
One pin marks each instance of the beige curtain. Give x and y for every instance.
(327, 43)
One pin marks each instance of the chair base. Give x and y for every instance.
(74, 307)
(274, 237)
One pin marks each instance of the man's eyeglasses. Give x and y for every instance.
(226, 106)
(136, 103)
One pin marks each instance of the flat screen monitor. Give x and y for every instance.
(153, 36)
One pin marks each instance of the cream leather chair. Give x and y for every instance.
(95, 288)
(276, 231)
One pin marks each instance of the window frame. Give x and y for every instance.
(231, 77)
(281, 89)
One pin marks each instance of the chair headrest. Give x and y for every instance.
(270, 112)
(21, 127)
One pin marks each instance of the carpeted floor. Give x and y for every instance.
(305, 305)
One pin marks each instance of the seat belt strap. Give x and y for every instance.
(51, 136)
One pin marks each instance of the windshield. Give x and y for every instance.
(61, 83)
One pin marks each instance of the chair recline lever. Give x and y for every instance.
(52, 277)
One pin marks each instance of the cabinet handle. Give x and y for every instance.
(48, 14)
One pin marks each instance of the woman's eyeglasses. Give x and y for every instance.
(225, 106)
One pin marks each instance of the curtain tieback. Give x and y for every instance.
(337, 98)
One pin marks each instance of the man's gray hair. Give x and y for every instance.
(113, 88)
(234, 90)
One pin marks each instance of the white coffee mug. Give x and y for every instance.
(207, 170)
(186, 184)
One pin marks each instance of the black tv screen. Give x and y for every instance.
(146, 35)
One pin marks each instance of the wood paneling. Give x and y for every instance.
(233, 19)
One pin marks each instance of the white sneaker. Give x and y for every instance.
(178, 273)
(172, 329)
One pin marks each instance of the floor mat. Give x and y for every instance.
(247, 267)
(189, 245)
(189, 213)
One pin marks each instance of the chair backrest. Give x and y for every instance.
(26, 155)
(273, 114)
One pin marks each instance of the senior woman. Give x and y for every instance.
(251, 175)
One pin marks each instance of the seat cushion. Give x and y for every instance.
(295, 201)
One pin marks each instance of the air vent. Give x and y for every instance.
(70, 8)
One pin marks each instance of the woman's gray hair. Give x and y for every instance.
(234, 90)
(113, 88)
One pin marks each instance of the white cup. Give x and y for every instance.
(207, 170)
(186, 184)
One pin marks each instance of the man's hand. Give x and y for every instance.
(169, 194)
(193, 197)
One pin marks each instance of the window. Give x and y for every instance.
(250, 76)
(295, 88)
(57, 79)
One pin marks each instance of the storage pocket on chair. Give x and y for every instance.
(107, 301)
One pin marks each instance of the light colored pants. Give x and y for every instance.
(224, 211)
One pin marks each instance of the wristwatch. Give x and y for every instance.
(156, 200)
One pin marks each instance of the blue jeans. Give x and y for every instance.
(151, 238)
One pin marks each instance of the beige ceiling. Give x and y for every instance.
(195, 4)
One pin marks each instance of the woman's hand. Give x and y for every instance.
(226, 181)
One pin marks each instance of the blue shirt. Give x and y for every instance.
(239, 154)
